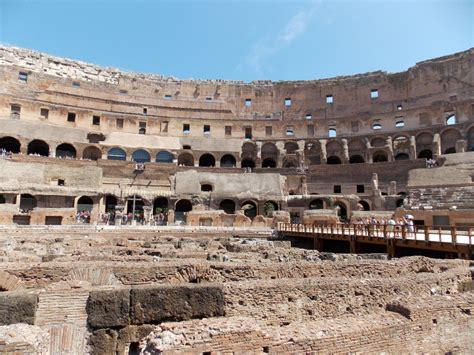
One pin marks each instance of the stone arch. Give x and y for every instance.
(228, 206)
(425, 154)
(160, 205)
(313, 153)
(38, 147)
(449, 137)
(116, 154)
(10, 144)
(250, 209)
(139, 204)
(269, 207)
(269, 155)
(183, 205)
(249, 151)
(164, 157)
(378, 142)
(84, 203)
(186, 159)
(334, 149)
(92, 153)
(379, 156)
(65, 150)
(28, 202)
(207, 160)
(247, 163)
(402, 156)
(141, 156)
(317, 204)
(291, 147)
(110, 203)
(228, 161)
(424, 141)
(342, 210)
(356, 159)
(365, 206)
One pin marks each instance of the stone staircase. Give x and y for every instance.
(63, 313)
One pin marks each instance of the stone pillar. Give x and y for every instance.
(170, 218)
(436, 145)
(258, 158)
(301, 145)
(375, 182)
(461, 146)
(147, 214)
(392, 190)
(368, 152)
(119, 209)
(324, 155)
(389, 145)
(345, 151)
(281, 153)
(412, 148)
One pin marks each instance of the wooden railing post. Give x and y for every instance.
(427, 233)
(454, 235)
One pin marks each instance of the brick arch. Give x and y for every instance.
(313, 153)
(378, 142)
(449, 137)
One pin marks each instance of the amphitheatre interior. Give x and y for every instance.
(142, 214)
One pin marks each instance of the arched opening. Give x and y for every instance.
(10, 144)
(116, 154)
(85, 203)
(65, 150)
(341, 210)
(135, 207)
(92, 153)
(379, 157)
(333, 160)
(317, 204)
(451, 150)
(378, 142)
(450, 120)
(313, 153)
(228, 206)
(402, 156)
(424, 142)
(400, 202)
(291, 147)
(207, 160)
(425, 154)
(250, 209)
(269, 155)
(269, 207)
(247, 163)
(269, 163)
(110, 203)
(290, 163)
(332, 133)
(365, 205)
(181, 207)
(356, 159)
(160, 205)
(164, 157)
(449, 139)
(27, 202)
(38, 147)
(2, 199)
(206, 188)
(228, 161)
(185, 159)
(141, 156)
(249, 152)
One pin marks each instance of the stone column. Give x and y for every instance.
(389, 145)
(461, 146)
(368, 152)
(281, 153)
(147, 214)
(258, 158)
(392, 190)
(301, 145)
(412, 147)
(119, 209)
(345, 151)
(324, 156)
(436, 145)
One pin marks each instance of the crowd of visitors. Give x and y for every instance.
(83, 216)
(431, 163)
(5, 154)
(391, 226)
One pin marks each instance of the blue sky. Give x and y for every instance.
(242, 40)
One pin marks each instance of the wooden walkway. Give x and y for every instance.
(448, 240)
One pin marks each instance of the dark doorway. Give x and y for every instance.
(38, 147)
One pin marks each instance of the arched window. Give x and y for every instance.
(332, 133)
(135, 206)
(250, 209)
(160, 205)
(228, 206)
(141, 156)
(402, 156)
(116, 154)
(164, 157)
(85, 203)
(450, 120)
(206, 187)
(227, 161)
(356, 159)
(425, 154)
(65, 150)
(317, 204)
(269, 163)
(186, 159)
(376, 126)
(341, 210)
(183, 206)
(92, 153)
(207, 160)
(379, 157)
(365, 205)
(247, 163)
(38, 147)
(334, 160)
(110, 203)
(269, 207)
(10, 144)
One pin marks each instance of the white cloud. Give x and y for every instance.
(267, 47)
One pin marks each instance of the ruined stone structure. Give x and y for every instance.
(102, 140)
(77, 291)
